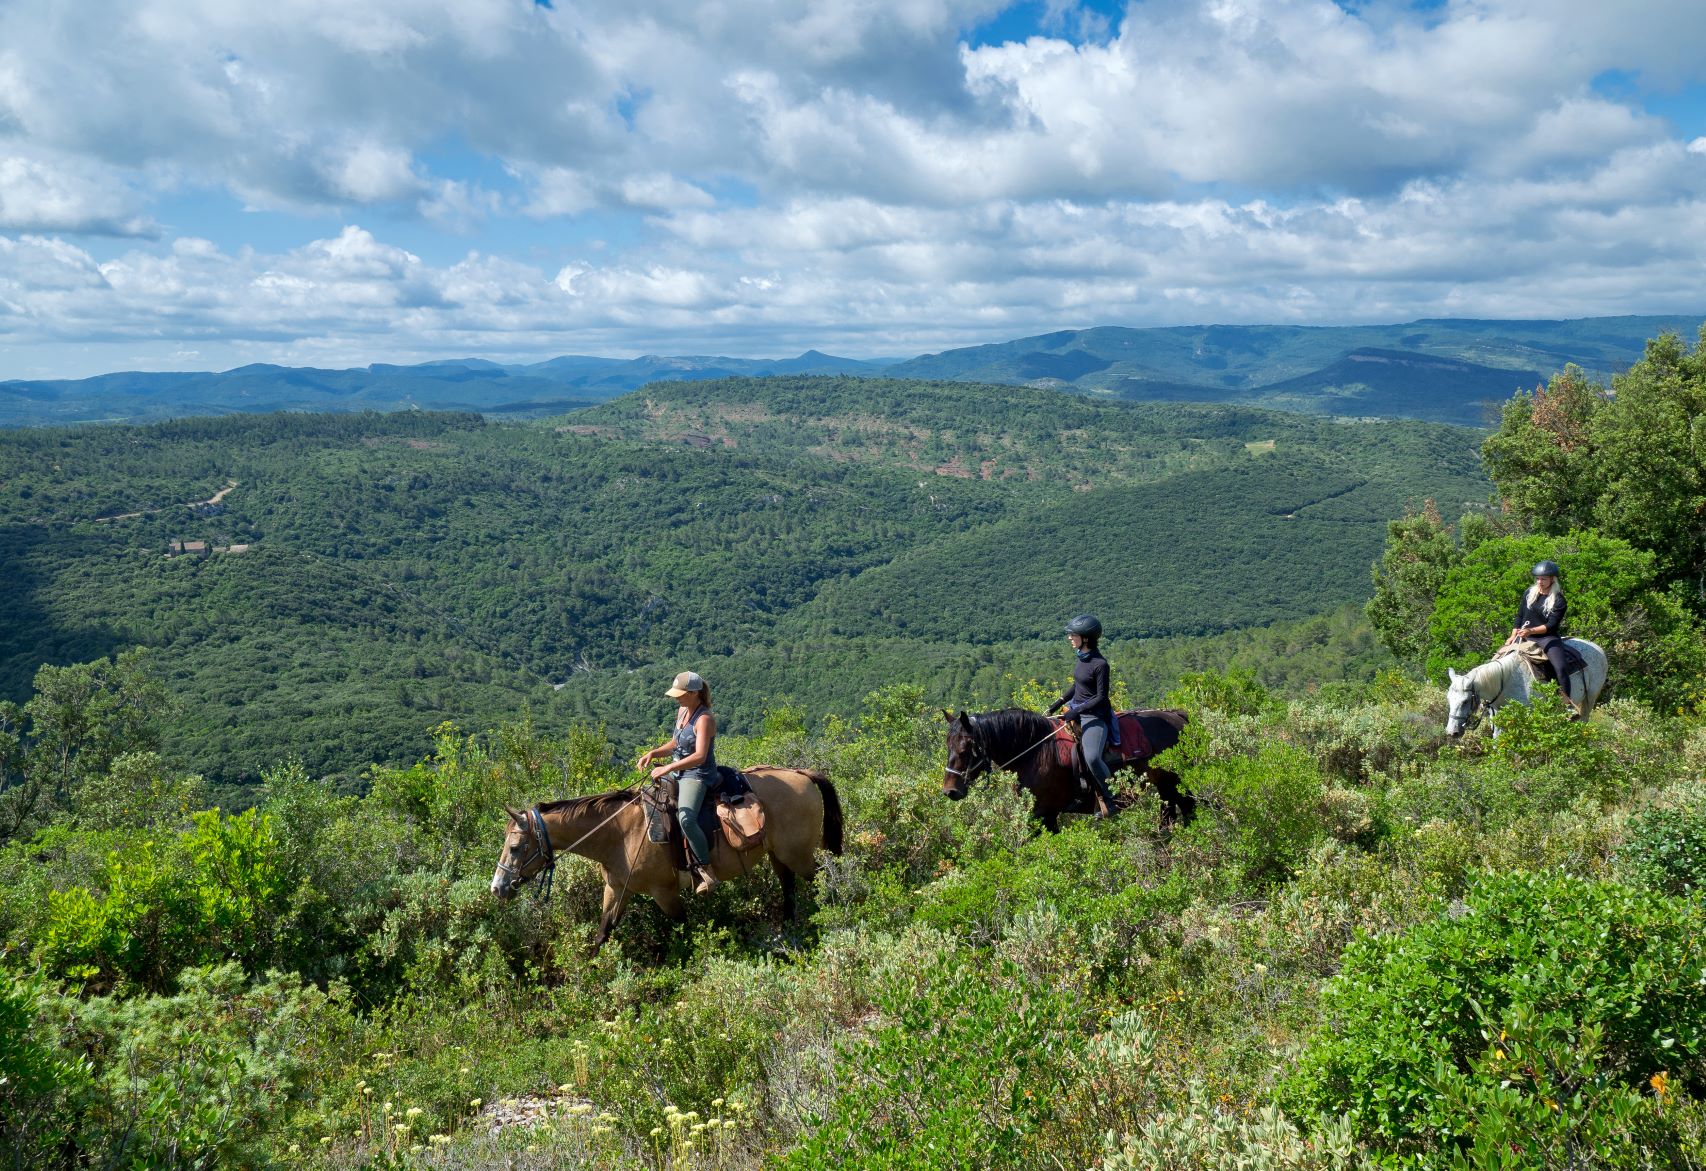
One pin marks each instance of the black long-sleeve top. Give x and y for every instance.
(1088, 695)
(1535, 614)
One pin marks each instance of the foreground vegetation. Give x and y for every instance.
(1372, 947)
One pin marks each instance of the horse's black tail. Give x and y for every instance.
(831, 812)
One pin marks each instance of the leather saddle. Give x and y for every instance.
(1539, 666)
(730, 811)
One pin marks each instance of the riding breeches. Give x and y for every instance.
(690, 790)
(1554, 648)
(1093, 737)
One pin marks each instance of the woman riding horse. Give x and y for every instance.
(1086, 700)
(693, 760)
(1540, 620)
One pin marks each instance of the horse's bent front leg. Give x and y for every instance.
(615, 902)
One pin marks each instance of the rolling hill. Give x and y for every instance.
(1442, 370)
(371, 575)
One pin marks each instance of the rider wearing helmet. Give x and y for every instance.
(1086, 700)
(1540, 619)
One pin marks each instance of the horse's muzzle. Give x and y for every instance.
(953, 790)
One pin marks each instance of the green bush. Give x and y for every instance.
(1199, 1137)
(40, 1083)
(961, 1073)
(1272, 806)
(1533, 1013)
(1081, 896)
(213, 893)
(1664, 848)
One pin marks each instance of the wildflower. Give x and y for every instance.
(415, 1112)
(295, 1149)
(387, 1107)
(326, 1141)
(656, 1131)
(601, 1130)
(1661, 1084)
(476, 1103)
(438, 1140)
(565, 1089)
(581, 1109)
(465, 1069)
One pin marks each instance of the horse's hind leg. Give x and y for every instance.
(790, 905)
(1178, 808)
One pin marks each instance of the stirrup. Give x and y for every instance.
(706, 879)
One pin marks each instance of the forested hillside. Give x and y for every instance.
(1375, 946)
(367, 576)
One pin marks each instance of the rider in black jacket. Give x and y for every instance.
(1540, 619)
(1086, 700)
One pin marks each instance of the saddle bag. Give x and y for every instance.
(742, 818)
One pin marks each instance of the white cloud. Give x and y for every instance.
(42, 195)
(835, 171)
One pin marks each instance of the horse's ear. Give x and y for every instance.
(962, 713)
(946, 716)
(513, 815)
(1451, 674)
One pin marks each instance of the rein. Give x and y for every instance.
(989, 760)
(540, 836)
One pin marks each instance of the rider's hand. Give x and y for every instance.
(645, 759)
(661, 771)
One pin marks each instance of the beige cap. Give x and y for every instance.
(685, 682)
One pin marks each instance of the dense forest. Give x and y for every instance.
(398, 570)
(1374, 947)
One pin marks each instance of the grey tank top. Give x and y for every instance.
(687, 739)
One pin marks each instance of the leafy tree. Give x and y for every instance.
(1545, 457)
(81, 719)
(1419, 553)
(1631, 463)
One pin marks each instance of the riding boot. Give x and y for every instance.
(704, 878)
(1104, 798)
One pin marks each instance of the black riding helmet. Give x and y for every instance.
(1546, 569)
(1087, 625)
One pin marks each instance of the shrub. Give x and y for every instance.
(962, 1073)
(216, 892)
(1532, 1013)
(39, 1081)
(1664, 848)
(1200, 1137)
(1273, 805)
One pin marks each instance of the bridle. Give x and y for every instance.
(539, 838)
(985, 762)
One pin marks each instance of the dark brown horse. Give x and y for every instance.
(1023, 743)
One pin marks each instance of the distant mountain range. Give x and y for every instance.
(1448, 370)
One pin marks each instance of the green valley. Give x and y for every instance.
(368, 576)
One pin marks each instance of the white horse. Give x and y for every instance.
(1506, 680)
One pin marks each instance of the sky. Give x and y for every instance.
(199, 184)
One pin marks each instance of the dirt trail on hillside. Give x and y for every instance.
(214, 499)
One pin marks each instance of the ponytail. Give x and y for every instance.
(705, 696)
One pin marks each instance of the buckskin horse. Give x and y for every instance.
(1029, 746)
(801, 814)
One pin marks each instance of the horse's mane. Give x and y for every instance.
(1004, 728)
(598, 804)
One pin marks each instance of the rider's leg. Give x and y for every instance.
(1555, 656)
(690, 795)
(1093, 738)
